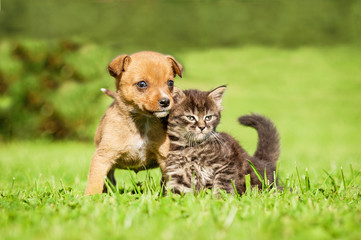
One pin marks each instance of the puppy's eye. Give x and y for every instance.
(142, 85)
(208, 118)
(170, 83)
(191, 118)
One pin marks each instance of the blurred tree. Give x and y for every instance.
(50, 69)
(177, 25)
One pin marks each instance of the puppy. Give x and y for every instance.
(131, 134)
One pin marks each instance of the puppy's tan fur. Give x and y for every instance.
(131, 135)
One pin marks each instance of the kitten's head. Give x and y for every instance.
(195, 114)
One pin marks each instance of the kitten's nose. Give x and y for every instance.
(201, 128)
(164, 102)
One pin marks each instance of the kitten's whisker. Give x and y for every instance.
(192, 140)
(189, 139)
(217, 138)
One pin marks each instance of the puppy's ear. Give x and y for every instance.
(178, 95)
(119, 65)
(217, 94)
(177, 67)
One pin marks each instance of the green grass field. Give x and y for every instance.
(312, 94)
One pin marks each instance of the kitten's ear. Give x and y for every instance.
(217, 94)
(178, 95)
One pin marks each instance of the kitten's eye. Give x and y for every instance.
(191, 118)
(142, 85)
(170, 83)
(208, 118)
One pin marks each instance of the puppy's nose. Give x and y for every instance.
(164, 102)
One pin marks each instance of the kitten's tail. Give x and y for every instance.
(268, 147)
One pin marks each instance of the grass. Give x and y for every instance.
(313, 96)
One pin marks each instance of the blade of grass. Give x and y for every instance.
(299, 180)
(343, 179)
(134, 183)
(286, 186)
(12, 184)
(265, 180)
(147, 186)
(307, 181)
(234, 188)
(230, 217)
(63, 186)
(248, 183)
(332, 180)
(260, 178)
(109, 186)
(162, 188)
(275, 175)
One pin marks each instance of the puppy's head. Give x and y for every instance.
(145, 80)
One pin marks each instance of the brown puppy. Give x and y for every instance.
(131, 134)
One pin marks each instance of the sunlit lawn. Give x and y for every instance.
(312, 94)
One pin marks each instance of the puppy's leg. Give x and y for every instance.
(99, 169)
(111, 178)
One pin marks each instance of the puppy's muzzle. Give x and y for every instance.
(164, 102)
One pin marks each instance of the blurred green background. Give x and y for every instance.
(295, 61)
(53, 54)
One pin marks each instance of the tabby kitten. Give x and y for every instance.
(202, 158)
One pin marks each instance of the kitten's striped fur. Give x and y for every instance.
(201, 158)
